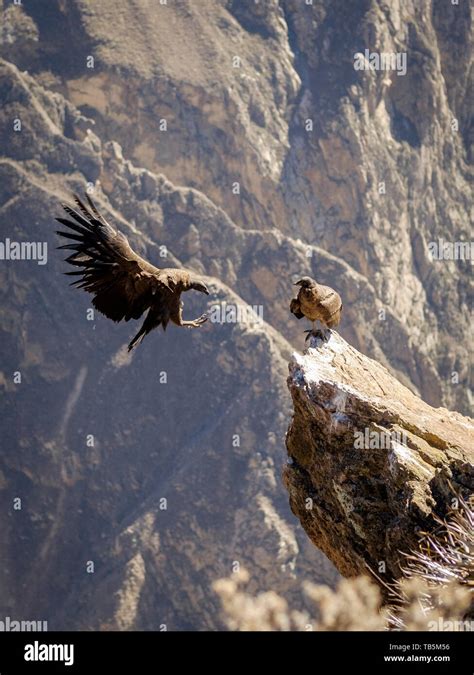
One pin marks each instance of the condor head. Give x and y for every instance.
(198, 285)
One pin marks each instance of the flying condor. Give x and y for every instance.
(124, 285)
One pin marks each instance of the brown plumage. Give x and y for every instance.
(124, 285)
(317, 303)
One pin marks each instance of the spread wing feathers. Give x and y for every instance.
(123, 283)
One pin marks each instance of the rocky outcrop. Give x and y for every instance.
(190, 121)
(370, 464)
(142, 479)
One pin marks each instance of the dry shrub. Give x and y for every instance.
(434, 594)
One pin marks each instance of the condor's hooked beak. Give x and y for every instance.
(298, 283)
(200, 286)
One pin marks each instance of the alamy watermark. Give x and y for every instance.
(442, 625)
(24, 250)
(451, 250)
(378, 440)
(227, 312)
(396, 61)
(38, 651)
(9, 625)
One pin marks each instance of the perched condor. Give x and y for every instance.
(317, 303)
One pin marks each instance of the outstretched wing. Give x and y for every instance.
(123, 284)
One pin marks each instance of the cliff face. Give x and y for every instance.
(370, 464)
(190, 121)
(263, 111)
(161, 468)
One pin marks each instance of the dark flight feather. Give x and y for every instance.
(124, 284)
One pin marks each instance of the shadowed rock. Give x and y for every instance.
(370, 463)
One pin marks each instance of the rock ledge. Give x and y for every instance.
(370, 463)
